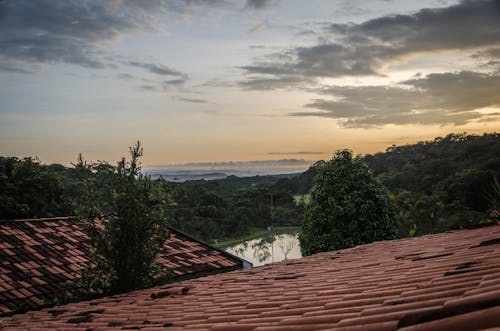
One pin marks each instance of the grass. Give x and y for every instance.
(254, 234)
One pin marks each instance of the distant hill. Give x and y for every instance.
(221, 170)
(234, 183)
(436, 185)
(421, 168)
(301, 183)
(457, 166)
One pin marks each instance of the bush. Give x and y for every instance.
(348, 207)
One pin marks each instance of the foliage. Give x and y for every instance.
(443, 184)
(348, 207)
(446, 183)
(300, 184)
(125, 213)
(494, 195)
(494, 198)
(204, 213)
(29, 189)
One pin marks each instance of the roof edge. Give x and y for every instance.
(68, 218)
(243, 261)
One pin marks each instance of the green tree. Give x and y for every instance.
(125, 213)
(348, 207)
(30, 189)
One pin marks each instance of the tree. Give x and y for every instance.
(126, 221)
(348, 207)
(29, 189)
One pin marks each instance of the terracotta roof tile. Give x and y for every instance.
(38, 257)
(438, 282)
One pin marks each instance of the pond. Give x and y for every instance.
(268, 249)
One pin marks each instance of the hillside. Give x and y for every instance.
(435, 185)
(441, 184)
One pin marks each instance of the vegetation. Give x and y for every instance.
(300, 184)
(29, 189)
(202, 212)
(125, 214)
(441, 184)
(348, 207)
(437, 185)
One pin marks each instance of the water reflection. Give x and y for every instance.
(268, 249)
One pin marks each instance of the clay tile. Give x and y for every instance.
(363, 288)
(475, 320)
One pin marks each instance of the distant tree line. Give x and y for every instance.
(446, 183)
(201, 211)
(443, 184)
(208, 210)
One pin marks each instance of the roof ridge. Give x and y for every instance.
(42, 219)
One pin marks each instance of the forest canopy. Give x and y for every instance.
(446, 183)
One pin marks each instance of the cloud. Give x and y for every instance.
(173, 82)
(447, 98)
(489, 58)
(265, 83)
(295, 153)
(259, 164)
(257, 46)
(191, 100)
(77, 32)
(65, 31)
(17, 67)
(166, 85)
(259, 4)
(491, 53)
(125, 76)
(363, 49)
(157, 69)
(148, 88)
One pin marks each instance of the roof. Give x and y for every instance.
(39, 256)
(448, 281)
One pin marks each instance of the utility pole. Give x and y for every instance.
(272, 210)
(272, 232)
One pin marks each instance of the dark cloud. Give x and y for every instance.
(492, 53)
(259, 4)
(158, 69)
(449, 98)
(65, 31)
(490, 57)
(362, 49)
(74, 32)
(152, 85)
(269, 83)
(173, 82)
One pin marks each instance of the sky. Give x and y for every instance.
(220, 80)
